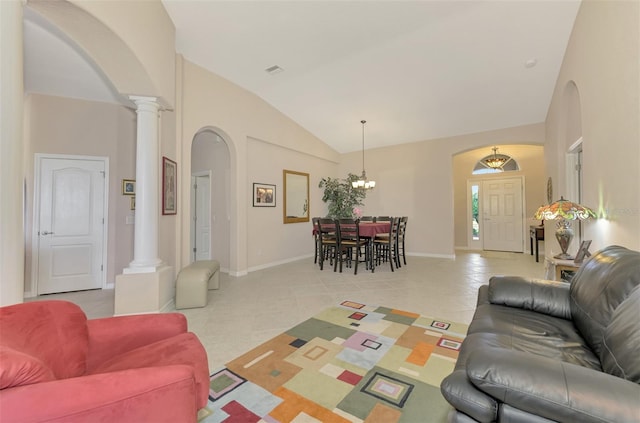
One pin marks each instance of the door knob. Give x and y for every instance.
(46, 233)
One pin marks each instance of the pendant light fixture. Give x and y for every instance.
(363, 182)
(496, 161)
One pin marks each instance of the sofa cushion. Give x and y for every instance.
(524, 330)
(553, 389)
(603, 282)
(17, 369)
(54, 332)
(180, 349)
(621, 345)
(546, 297)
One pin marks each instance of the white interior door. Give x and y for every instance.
(70, 225)
(202, 217)
(502, 214)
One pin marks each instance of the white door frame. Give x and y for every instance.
(479, 182)
(192, 235)
(35, 239)
(473, 244)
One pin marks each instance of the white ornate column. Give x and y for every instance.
(145, 250)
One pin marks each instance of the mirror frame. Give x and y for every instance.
(293, 219)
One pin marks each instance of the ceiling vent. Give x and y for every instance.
(273, 70)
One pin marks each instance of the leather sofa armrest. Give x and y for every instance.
(553, 389)
(112, 336)
(137, 395)
(542, 296)
(457, 389)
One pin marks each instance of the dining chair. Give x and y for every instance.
(384, 244)
(382, 219)
(402, 228)
(316, 238)
(367, 219)
(350, 245)
(328, 241)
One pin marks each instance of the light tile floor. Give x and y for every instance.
(249, 310)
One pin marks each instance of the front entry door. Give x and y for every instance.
(502, 215)
(71, 224)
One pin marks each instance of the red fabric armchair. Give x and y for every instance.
(55, 365)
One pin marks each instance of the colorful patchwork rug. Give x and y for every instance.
(350, 363)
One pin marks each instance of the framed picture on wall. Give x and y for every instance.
(264, 195)
(169, 186)
(128, 187)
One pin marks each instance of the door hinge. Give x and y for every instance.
(103, 173)
(194, 249)
(101, 267)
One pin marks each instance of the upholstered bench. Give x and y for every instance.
(194, 281)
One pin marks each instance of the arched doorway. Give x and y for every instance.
(210, 198)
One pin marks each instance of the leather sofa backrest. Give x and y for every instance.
(601, 284)
(621, 346)
(53, 332)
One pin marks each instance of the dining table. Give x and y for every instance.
(367, 229)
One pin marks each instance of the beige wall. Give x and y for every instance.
(597, 90)
(77, 127)
(270, 240)
(417, 180)
(212, 102)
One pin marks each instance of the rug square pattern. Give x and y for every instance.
(350, 363)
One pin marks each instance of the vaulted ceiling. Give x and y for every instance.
(414, 70)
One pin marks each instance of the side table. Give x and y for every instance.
(560, 270)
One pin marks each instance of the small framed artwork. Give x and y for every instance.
(169, 186)
(264, 195)
(132, 202)
(128, 187)
(583, 252)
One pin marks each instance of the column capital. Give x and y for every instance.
(145, 101)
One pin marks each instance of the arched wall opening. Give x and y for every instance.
(122, 63)
(530, 159)
(211, 159)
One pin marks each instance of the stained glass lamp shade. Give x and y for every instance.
(564, 211)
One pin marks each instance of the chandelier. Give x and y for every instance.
(363, 182)
(496, 161)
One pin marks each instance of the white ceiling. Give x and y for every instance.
(415, 70)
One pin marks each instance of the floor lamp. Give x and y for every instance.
(564, 211)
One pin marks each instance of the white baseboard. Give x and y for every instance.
(279, 262)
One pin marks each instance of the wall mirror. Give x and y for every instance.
(296, 196)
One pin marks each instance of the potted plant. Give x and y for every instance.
(341, 197)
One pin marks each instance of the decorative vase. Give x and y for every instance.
(564, 235)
